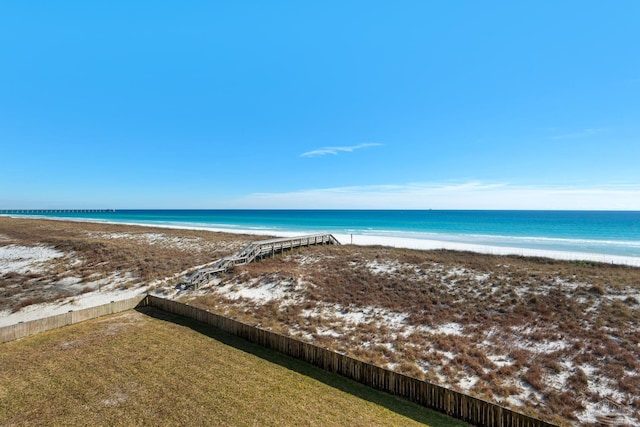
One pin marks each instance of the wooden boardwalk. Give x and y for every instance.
(253, 251)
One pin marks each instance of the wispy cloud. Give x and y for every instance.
(461, 195)
(579, 134)
(335, 150)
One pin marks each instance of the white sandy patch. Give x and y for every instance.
(69, 281)
(601, 385)
(558, 381)
(526, 396)
(448, 354)
(382, 268)
(23, 259)
(500, 360)
(450, 329)
(260, 291)
(522, 340)
(467, 383)
(303, 260)
(456, 272)
(608, 410)
(482, 277)
(328, 332)
(566, 284)
(185, 243)
(112, 281)
(443, 329)
(548, 346)
(91, 299)
(356, 315)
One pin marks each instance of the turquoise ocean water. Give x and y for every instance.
(596, 232)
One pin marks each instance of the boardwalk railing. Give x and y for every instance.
(253, 251)
(458, 405)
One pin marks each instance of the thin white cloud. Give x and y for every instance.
(335, 150)
(579, 134)
(465, 195)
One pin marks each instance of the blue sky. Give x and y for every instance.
(346, 104)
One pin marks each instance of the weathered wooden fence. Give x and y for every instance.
(32, 327)
(467, 408)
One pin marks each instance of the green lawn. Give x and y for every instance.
(150, 368)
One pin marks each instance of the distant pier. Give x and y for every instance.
(52, 211)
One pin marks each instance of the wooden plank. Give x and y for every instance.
(254, 250)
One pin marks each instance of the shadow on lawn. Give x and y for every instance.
(392, 403)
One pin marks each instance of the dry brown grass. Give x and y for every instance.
(94, 251)
(140, 369)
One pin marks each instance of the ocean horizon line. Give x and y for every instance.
(3, 211)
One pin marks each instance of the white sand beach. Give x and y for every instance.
(430, 244)
(409, 243)
(400, 242)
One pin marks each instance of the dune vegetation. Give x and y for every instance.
(553, 338)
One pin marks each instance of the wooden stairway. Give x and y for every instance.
(253, 251)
